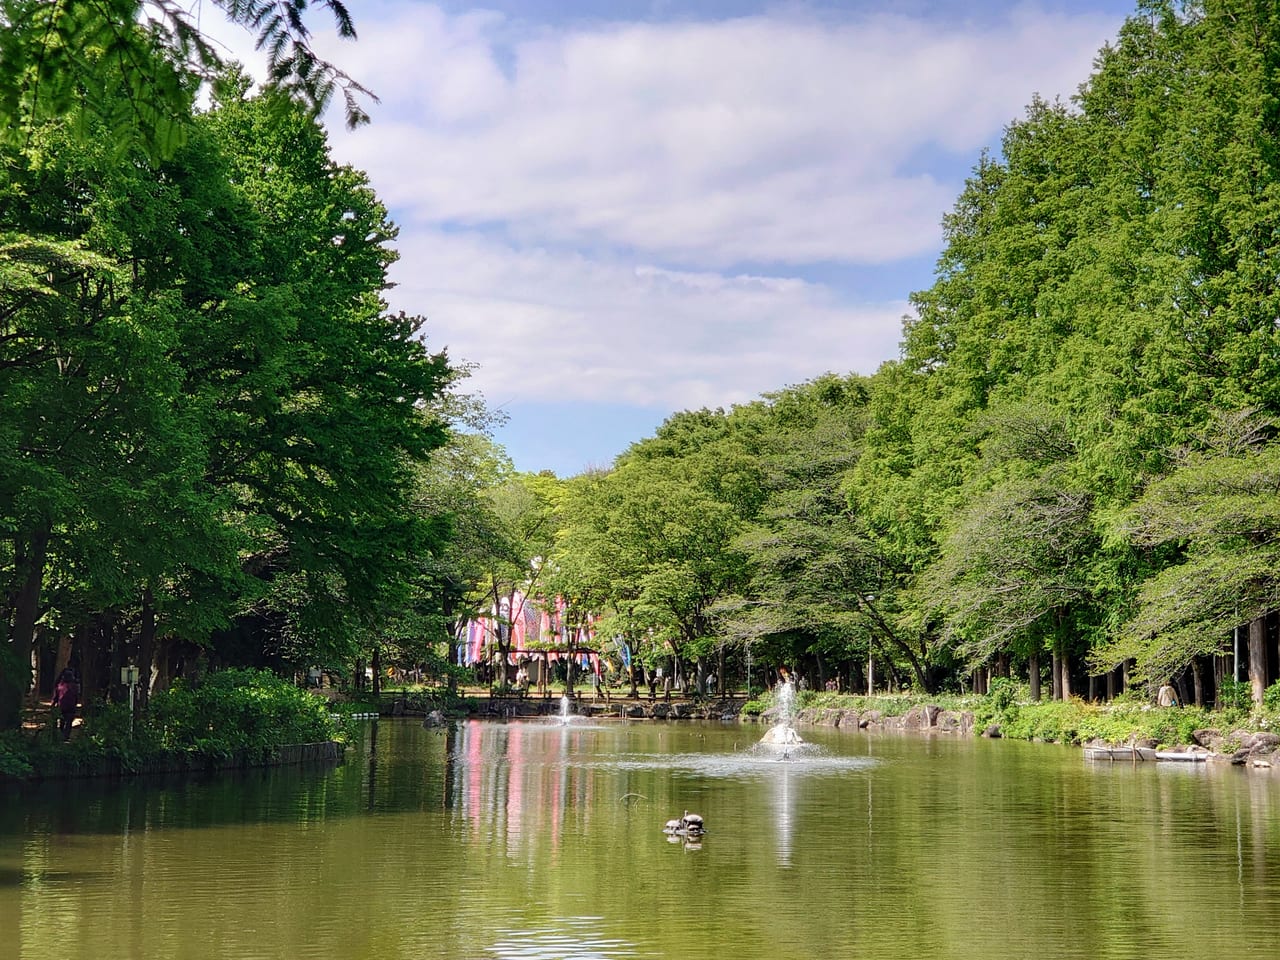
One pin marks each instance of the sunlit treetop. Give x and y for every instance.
(72, 59)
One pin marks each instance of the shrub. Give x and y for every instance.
(248, 710)
(1051, 720)
(1002, 693)
(1271, 698)
(15, 757)
(1175, 726)
(14, 679)
(1234, 695)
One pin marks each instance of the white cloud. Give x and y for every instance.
(774, 139)
(576, 202)
(545, 325)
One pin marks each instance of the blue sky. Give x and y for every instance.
(619, 209)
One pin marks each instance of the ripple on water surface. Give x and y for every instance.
(570, 938)
(751, 763)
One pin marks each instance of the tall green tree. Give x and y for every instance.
(818, 588)
(207, 408)
(652, 542)
(127, 70)
(1220, 508)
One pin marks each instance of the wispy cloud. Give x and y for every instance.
(546, 324)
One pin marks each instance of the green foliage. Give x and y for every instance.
(15, 755)
(1218, 508)
(237, 710)
(130, 68)
(1105, 292)
(1002, 693)
(1236, 694)
(1271, 698)
(238, 427)
(653, 541)
(1172, 726)
(1052, 721)
(15, 677)
(1074, 721)
(246, 714)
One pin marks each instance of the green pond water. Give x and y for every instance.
(537, 840)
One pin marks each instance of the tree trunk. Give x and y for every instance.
(454, 635)
(164, 666)
(377, 670)
(1056, 675)
(95, 642)
(1033, 675)
(113, 634)
(30, 553)
(1064, 661)
(63, 658)
(889, 634)
(1258, 658)
(1197, 682)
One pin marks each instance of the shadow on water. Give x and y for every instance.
(398, 773)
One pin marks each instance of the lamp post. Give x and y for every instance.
(129, 677)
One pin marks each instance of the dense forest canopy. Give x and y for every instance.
(214, 439)
(211, 425)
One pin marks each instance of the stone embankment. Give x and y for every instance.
(927, 719)
(1241, 747)
(1254, 748)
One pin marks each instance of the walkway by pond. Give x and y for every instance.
(543, 839)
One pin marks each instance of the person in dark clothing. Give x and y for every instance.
(66, 697)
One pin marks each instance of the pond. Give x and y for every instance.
(545, 840)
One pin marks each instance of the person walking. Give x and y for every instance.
(66, 697)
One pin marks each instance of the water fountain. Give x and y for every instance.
(782, 734)
(566, 716)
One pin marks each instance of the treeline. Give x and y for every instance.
(212, 431)
(218, 448)
(1070, 475)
